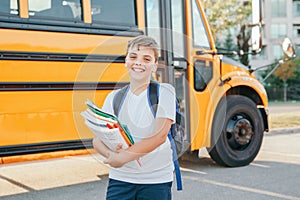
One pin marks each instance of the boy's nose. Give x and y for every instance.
(138, 62)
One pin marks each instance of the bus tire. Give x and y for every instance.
(237, 132)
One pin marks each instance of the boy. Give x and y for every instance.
(153, 179)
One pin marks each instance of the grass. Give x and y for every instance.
(284, 114)
(283, 120)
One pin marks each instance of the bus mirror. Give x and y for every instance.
(256, 38)
(289, 51)
(288, 48)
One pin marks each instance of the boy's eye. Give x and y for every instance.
(147, 59)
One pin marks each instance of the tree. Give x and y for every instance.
(286, 76)
(224, 15)
(295, 80)
(243, 43)
(286, 71)
(229, 45)
(228, 42)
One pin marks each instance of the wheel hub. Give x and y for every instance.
(241, 130)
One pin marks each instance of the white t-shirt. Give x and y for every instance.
(157, 166)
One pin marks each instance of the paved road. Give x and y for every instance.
(273, 175)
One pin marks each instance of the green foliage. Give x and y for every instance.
(288, 72)
(229, 45)
(224, 15)
(296, 78)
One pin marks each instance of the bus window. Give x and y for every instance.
(9, 7)
(152, 23)
(177, 28)
(199, 32)
(58, 10)
(202, 74)
(120, 12)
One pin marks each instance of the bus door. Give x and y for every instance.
(203, 72)
(165, 21)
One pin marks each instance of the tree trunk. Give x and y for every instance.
(284, 91)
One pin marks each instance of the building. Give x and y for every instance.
(281, 19)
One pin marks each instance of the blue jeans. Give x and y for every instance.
(119, 190)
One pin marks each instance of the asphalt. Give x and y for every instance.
(27, 180)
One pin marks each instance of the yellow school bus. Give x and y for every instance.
(55, 54)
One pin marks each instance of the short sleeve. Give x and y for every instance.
(166, 105)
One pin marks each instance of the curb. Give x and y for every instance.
(289, 130)
(44, 156)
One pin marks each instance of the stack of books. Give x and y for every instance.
(107, 127)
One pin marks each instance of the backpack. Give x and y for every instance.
(176, 133)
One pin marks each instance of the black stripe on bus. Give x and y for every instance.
(63, 57)
(14, 150)
(69, 27)
(59, 86)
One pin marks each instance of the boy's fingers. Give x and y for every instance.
(119, 147)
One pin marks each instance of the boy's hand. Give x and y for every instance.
(114, 159)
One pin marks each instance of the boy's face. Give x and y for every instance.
(140, 62)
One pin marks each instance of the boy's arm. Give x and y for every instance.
(146, 145)
(101, 148)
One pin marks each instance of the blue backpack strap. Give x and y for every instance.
(119, 98)
(176, 163)
(153, 96)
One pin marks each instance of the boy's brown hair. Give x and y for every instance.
(144, 40)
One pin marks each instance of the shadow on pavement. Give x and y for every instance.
(83, 191)
(202, 180)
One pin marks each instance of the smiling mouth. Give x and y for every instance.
(138, 69)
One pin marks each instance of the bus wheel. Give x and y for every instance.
(237, 132)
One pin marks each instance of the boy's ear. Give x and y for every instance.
(126, 63)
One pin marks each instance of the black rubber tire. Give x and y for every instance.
(241, 113)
